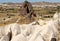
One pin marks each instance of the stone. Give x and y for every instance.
(6, 37)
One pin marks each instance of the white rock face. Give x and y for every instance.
(43, 31)
(56, 15)
(4, 30)
(19, 37)
(15, 29)
(6, 37)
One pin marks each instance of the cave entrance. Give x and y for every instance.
(27, 9)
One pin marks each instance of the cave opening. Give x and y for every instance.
(27, 9)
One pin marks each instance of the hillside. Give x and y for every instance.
(45, 30)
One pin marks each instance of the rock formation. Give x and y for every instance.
(27, 12)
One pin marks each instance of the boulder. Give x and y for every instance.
(6, 37)
(15, 29)
(19, 37)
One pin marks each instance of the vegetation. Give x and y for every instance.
(12, 12)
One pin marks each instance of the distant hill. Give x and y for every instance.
(36, 3)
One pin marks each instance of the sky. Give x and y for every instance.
(16, 1)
